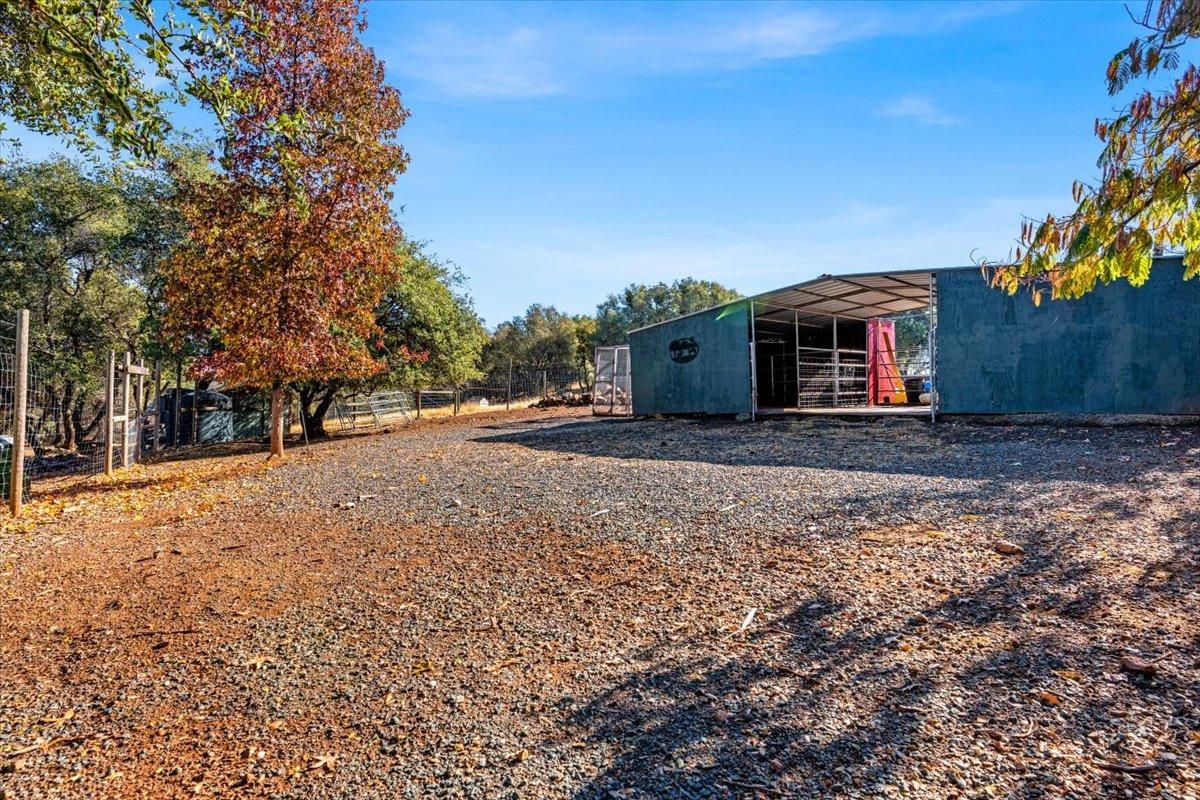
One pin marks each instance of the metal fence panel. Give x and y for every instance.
(613, 394)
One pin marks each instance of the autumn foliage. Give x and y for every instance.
(293, 243)
(1148, 193)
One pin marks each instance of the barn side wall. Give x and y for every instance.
(715, 380)
(1119, 350)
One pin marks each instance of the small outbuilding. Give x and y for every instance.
(928, 342)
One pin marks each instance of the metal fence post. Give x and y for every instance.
(16, 479)
(508, 393)
(137, 412)
(545, 387)
(175, 414)
(157, 405)
(417, 396)
(109, 408)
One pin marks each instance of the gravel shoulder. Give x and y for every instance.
(544, 604)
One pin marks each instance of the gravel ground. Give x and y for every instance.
(540, 604)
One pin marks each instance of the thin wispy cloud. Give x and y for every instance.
(513, 64)
(508, 58)
(751, 257)
(920, 109)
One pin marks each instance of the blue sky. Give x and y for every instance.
(562, 151)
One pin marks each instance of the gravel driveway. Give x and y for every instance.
(541, 604)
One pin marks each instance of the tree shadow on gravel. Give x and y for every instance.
(1033, 454)
(1015, 685)
(701, 727)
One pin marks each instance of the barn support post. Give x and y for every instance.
(837, 368)
(109, 409)
(16, 478)
(753, 367)
(796, 323)
(932, 361)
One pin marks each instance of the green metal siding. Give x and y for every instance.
(715, 381)
(1118, 350)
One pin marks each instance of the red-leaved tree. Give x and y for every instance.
(293, 243)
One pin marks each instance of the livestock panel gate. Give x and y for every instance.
(613, 394)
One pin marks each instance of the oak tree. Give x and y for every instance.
(540, 339)
(1148, 194)
(79, 249)
(638, 305)
(293, 244)
(431, 336)
(109, 70)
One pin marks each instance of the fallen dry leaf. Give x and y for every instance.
(323, 763)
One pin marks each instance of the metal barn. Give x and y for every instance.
(928, 342)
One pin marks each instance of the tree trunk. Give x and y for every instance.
(55, 413)
(313, 418)
(276, 423)
(37, 437)
(305, 396)
(82, 433)
(69, 440)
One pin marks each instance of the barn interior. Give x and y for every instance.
(855, 344)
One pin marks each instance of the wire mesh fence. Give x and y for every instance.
(84, 414)
(503, 388)
(64, 413)
(71, 412)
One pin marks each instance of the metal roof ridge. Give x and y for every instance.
(795, 286)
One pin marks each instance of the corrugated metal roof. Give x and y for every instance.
(857, 296)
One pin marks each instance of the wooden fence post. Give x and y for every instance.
(456, 402)
(417, 392)
(16, 478)
(545, 386)
(508, 394)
